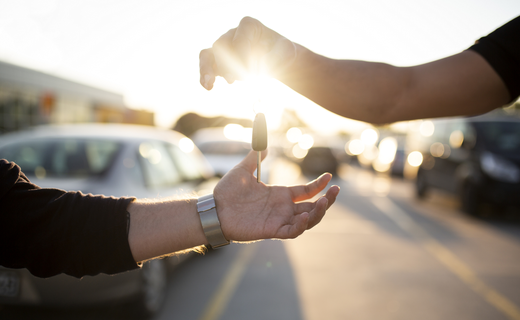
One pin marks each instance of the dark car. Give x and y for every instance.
(319, 159)
(116, 160)
(477, 158)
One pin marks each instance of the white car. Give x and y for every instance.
(224, 154)
(114, 160)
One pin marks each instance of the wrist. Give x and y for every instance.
(163, 227)
(296, 65)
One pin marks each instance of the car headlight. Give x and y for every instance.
(499, 168)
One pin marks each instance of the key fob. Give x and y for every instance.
(259, 142)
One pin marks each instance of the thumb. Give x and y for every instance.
(249, 162)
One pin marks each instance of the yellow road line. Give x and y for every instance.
(220, 299)
(447, 258)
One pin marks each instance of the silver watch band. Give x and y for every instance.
(210, 224)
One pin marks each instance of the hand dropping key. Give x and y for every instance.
(259, 142)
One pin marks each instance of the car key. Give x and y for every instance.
(259, 142)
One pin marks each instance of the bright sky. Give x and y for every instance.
(148, 50)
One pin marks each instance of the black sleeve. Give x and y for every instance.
(51, 231)
(501, 49)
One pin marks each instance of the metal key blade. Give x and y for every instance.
(258, 166)
(259, 141)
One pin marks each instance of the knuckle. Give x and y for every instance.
(203, 53)
(217, 45)
(251, 26)
(224, 39)
(248, 21)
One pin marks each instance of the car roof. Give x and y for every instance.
(119, 132)
(225, 142)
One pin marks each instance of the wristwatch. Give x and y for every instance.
(207, 210)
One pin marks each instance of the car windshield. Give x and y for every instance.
(64, 158)
(499, 137)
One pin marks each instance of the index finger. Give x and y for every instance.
(208, 68)
(304, 192)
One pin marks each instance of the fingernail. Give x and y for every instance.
(323, 175)
(206, 80)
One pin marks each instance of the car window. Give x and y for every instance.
(499, 137)
(158, 166)
(62, 157)
(189, 164)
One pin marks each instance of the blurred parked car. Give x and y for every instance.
(476, 158)
(319, 159)
(224, 150)
(223, 155)
(389, 155)
(381, 150)
(397, 166)
(398, 160)
(116, 160)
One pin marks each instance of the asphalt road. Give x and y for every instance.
(378, 254)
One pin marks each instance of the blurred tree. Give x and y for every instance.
(189, 123)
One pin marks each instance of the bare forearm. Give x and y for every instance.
(359, 90)
(381, 93)
(159, 228)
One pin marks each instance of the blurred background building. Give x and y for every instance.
(29, 98)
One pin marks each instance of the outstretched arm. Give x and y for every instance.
(247, 211)
(463, 84)
(374, 92)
